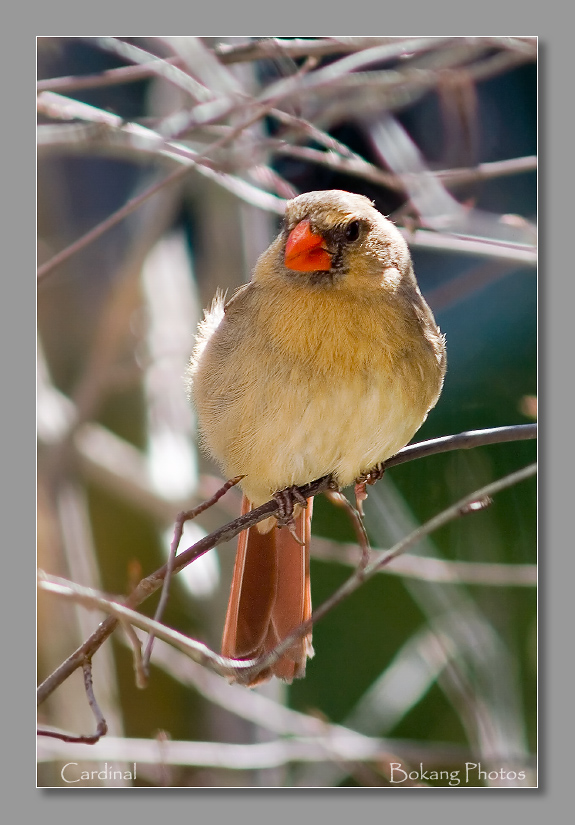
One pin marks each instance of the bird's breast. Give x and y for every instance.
(315, 385)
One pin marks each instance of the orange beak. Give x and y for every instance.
(304, 250)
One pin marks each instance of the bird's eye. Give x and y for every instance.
(351, 231)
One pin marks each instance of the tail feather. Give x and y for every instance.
(270, 596)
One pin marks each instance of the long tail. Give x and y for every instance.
(270, 596)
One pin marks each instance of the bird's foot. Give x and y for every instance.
(370, 477)
(287, 500)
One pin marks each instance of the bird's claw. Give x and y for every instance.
(287, 500)
(293, 532)
(370, 477)
(360, 496)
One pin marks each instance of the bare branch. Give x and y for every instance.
(102, 727)
(356, 516)
(363, 574)
(272, 47)
(425, 64)
(110, 77)
(429, 569)
(332, 747)
(109, 222)
(178, 530)
(486, 171)
(261, 49)
(118, 612)
(463, 441)
(156, 65)
(518, 253)
(150, 584)
(140, 674)
(199, 161)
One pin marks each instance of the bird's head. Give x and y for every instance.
(337, 239)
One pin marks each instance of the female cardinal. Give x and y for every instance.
(326, 362)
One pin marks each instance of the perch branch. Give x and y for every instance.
(363, 574)
(228, 667)
(153, 582)
(244, 670)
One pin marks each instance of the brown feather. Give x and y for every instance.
(270, 596)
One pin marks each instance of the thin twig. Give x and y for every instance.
(140, 673)
(351, 164)
(343, 70)
(426, 568)
(201, 652)
(356, 517)
(226, 53)
(109, 222)
(157, 66)
(138, 200)
(119, 613)
(244, 670)
(181, 519)
(331, 747)
(101, 727)
(362, 575)
(487, 171)
(347, 87)
(109, 77)
(270, 47)
(153, 582)
(524, 254)
(267, 48)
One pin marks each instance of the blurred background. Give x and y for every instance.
(430, 663)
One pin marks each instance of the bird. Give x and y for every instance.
(326, 363)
